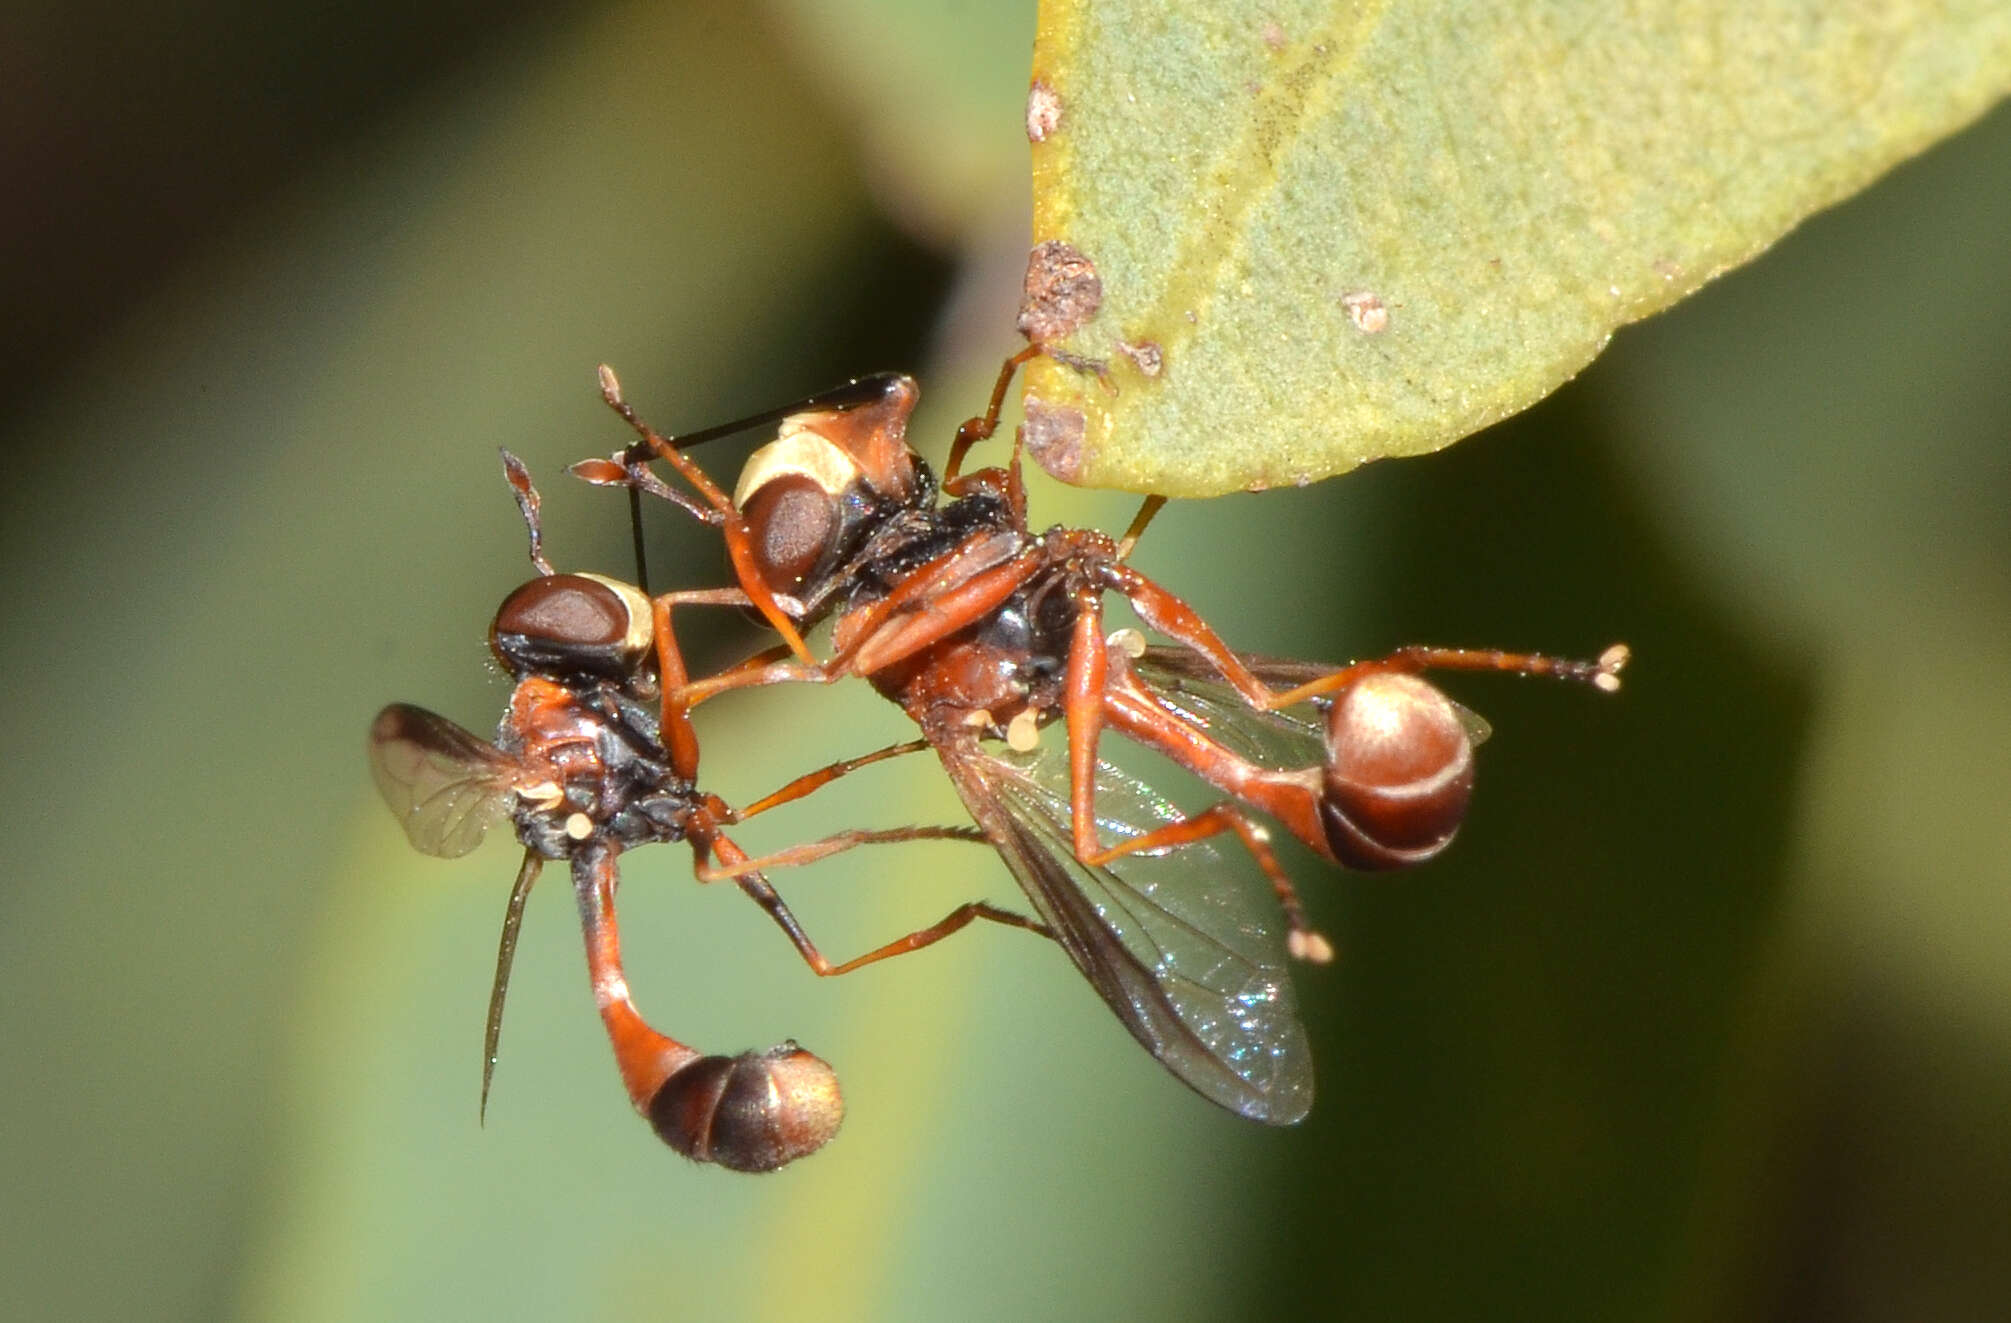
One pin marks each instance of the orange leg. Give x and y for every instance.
(1302, 940)
(1147, 510)
(809, 852)
(974, 430)
(1290, 795)
(1082, 711)
(1602, 673)
(940, 615)
(635, 475)
(679, 739)
(739, 540)
(1171, 616)
(722, 680)
(758, 889)
(823, 776)
(931, 583)
(1091, 693)
(892, 629)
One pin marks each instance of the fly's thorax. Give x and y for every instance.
(978, 530)
(558, 820)
(595, 770)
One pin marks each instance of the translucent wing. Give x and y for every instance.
(1291, 737)
(1183, 945)
(446, 786)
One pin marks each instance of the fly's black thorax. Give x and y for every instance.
(616, 786)
(915, 537)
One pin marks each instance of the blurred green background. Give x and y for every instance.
(1707, 1016)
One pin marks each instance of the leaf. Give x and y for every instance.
(1333, 232)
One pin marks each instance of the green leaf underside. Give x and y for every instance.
(1508, 182)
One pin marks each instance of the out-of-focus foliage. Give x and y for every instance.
(1701, 1018)
(1332, 232)
(928, 83)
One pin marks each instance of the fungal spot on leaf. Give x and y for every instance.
(1149, 356)
(1062, 292)
(1053, 435)
(1366, 311)
(1043, 111)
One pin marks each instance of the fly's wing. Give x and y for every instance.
(1183, 944)
(1289, 737)
(446, 786)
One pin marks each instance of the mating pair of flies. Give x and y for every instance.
(984, 632)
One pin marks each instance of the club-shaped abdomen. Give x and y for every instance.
(754, 1112)
(1399, 772)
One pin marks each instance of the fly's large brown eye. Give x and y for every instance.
(1399, 772)
(572, 624)
(794, 522)
(793, 494)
